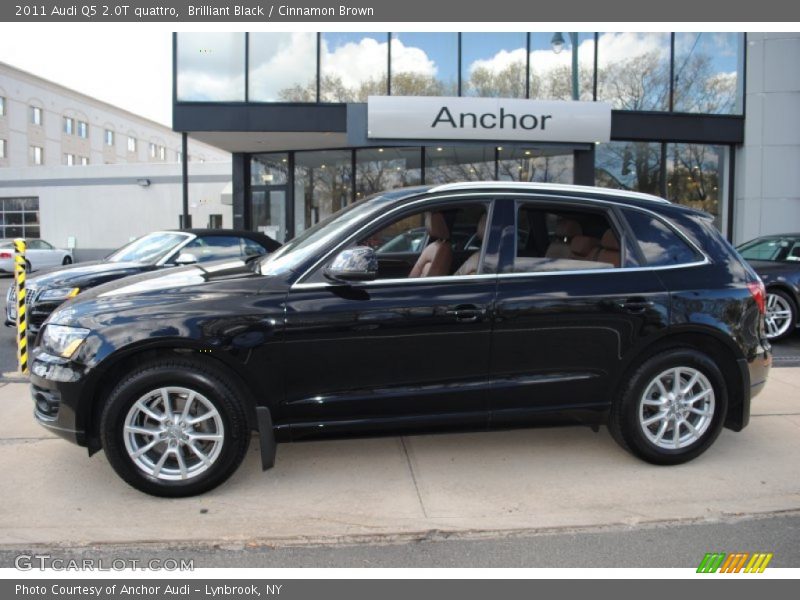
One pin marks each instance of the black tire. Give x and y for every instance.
(199, 377)
(793, 316)
(28, 268)
(626, 426)
(67, 260)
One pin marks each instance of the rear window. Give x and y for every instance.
(659, 244)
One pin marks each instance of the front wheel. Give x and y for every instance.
(672, 408)
(174, 428)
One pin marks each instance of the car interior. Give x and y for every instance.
(558, 240)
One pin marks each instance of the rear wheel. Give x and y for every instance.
(781, 316)
(28, 268)
(67, 260)
(672, 408)
(174, 428)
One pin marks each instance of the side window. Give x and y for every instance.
(214, 248)
(45, 245)
(571, 239)
(659, 244)
(252, 248)
(438, 241)
(33, 245)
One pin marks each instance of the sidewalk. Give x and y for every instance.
(384, 489)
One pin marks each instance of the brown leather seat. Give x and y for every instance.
(566, 230)
(583, 247)
(470, 266)
(437, 257)
(609, 249)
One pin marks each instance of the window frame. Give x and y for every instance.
(37, 116)
(626, 245)
(69, 125)
(3, 148)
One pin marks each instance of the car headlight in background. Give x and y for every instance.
(64, 293)
(62, 340)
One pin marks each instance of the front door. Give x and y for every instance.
(398, 346)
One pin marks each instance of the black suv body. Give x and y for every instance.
(581, 305)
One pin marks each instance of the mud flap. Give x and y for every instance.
(266, 436)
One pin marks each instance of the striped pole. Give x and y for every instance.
(22, 317)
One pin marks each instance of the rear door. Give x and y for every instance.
(563, 325)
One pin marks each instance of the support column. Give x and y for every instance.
(241, 186)
(584, 167)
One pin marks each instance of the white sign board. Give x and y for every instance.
(499, 119)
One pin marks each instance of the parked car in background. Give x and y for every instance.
(578, 305)
(45, 291)
(776, 259)
(39, 254)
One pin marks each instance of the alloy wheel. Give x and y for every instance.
(173, 433)
(779, 316)
(676, 408)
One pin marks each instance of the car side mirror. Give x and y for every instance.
(186, 258)
(353, 264)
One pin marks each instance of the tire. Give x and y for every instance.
(181, 379)
(67, 261)
(781, 317)
(28, 268)
(642, 409)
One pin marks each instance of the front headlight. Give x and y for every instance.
(59, 294)
(62, 340)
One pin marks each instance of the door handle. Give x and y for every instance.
(636, 305)
(466, 313)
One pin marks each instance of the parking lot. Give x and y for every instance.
(401, 488)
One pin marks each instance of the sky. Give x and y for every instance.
(123, 66)
(132, 68)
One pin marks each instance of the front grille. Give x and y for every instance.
(11, 301)
(47, 401)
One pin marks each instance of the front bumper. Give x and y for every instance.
(57, 389)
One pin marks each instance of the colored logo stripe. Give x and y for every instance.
(735, 562)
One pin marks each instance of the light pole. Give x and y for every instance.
(557, 42)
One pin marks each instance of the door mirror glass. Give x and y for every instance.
(353, 264)
(186, 258)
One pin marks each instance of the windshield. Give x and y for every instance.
(772, 249)
(292, 254)
(148, 248)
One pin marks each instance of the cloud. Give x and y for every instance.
(281, 61)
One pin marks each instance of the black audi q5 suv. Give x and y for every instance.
(568, 305)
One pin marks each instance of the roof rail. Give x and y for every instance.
(544, 187)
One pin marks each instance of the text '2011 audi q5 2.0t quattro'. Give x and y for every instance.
(571, 304)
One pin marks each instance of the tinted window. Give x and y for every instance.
(214, 248)
(659, 244)
(564, 240)
(252, 248)
(775, 249)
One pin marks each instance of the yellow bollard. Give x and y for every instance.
(22, 320)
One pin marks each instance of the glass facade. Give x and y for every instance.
(210, 67)
(697, 176)
(19, 217)
(535, 164)
(386, 168)
(282, 67)
(633, 70)
(707, 73)
(324, 181)
(494, 64)
(353, 66)
(629, 166)
(660, 71)
(424, 64)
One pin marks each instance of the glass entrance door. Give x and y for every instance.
(268, 211)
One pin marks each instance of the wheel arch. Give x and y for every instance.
(722, 350)
(123, 362)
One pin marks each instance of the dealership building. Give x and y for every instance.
(316, 121)
(88, 175)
